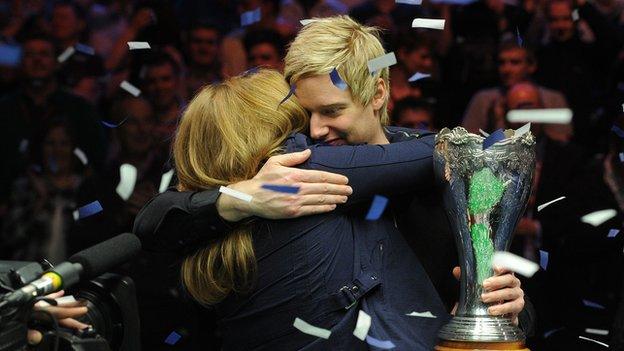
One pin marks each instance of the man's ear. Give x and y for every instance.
(381, 94)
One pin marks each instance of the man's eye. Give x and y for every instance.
(331, 112)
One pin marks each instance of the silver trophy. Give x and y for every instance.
(485, 193)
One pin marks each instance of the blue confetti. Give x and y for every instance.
(85, 49)
(493, 138)
(337, 80)
(518, 37)
(617, 130)
(382, 344)
(552, 331)
(173, 338)
(252, 70)
(290, 93)
(409, 2)
(613, 233)
(113, 125)
(250, 17)
(377, 208)
(543, 259)
(592, 304)
(281, 188)
(89, 209)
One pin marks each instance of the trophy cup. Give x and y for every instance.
(485, 192)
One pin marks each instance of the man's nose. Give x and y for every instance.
(318, 130)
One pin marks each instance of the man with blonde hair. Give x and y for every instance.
(327, 67)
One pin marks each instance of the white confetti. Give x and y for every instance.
(127, 181)
(81, 156)
(545, 115)
(484, 133)
(592, 340)
(521, 265)
(596, 331)
(598, 217)
(134, 91)
(575, 15)
(362, 326)
(165, 180)
(310, 329)
(542, 206)
(235, 193)
(66, 54)
(428, 23)
(425, 314)
(76, 215)
(418, 76)
(522, 130)
(138, 45)
(23, 146)
(60, 301)
(305, 22)
(409, 2)
(381, 62)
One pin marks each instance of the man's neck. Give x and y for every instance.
(380, 138)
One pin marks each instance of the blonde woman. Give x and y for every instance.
(323, 268)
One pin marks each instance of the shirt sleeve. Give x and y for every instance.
(180, 221)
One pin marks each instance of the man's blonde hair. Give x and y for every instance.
(342, 43)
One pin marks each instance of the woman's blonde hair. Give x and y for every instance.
(226, 134)
(342, 43)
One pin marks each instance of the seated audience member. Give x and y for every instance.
(37, 100)
(413, 113)
(39, 222)
(515, 65)
(265, 48)
(203, 42)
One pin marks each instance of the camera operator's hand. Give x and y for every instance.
(64, 314)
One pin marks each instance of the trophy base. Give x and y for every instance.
(479, 346)
(481, 329)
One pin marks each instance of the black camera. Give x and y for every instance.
(112, 313)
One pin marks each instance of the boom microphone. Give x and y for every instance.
(86, 264)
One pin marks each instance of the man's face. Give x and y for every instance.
(161, 85)
(334, 117)
(137, 133)
(265, 55)
(560, 21)
(65, 24)
(418, 60)
(513, 67)
(203, 46)
(38, 61)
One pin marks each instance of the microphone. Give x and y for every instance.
(86, 264)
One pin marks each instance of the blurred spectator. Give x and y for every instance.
(40, 219)
(575, 67)
(204, 65)
(37, 100)
(162, 84)
(413, 113)
(515, 65)
(386, 14)
(265, 48)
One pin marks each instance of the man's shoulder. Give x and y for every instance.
(396, 134)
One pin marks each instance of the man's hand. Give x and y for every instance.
(65, 315)
(319, 191)
(504, 290)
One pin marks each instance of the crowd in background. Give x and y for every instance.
(68, 125)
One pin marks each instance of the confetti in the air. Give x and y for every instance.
(493, 138)
(418, 76)
(552, 331)
(127, 181)
(235, 193)
(593, 304)
(484, 133)
(381, 62)
(543, 259)
(382, 344)
(428, 23)
(575, 15)
(337, 80)
(138, 45)
(305, 22)
(598, 217)
(81, 156)
(621, 156)
(546, 115)
(522, 130)
(87, 210)
(290, 93)
(377, 208)
(543, 206)
(114, 125)
(173, 338)
(617, 130)
(127, 86)
(521, 265)
(425, 314)
(85, 49)
(613, 233)
(592, 340)
(23, 146)
(519, 38)
(165, 180)
(309, 329)
(409, 2)
(251, 17)
(281, 188)
(362, 325)
(66, 54)
(597, 331)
